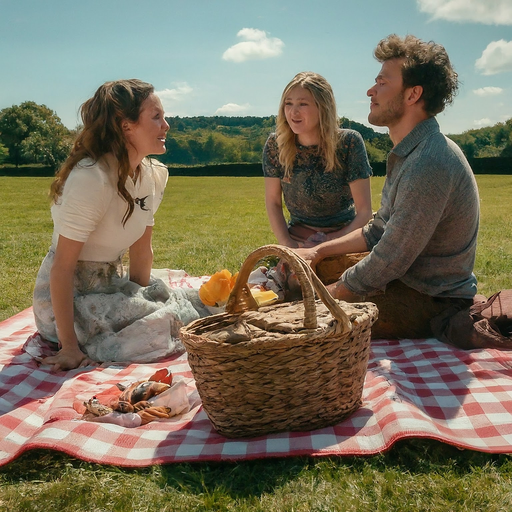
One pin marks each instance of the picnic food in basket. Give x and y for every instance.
(285, 367)
(216, 290)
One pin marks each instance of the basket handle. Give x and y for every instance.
(241, 298)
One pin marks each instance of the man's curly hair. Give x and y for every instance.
(425, 64)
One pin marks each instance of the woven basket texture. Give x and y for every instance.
(295, 366)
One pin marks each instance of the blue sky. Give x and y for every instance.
(234, 57)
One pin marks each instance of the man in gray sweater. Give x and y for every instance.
(422, 240)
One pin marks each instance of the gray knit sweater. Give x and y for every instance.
(425, 231)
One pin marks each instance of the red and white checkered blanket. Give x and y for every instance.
(414, 388)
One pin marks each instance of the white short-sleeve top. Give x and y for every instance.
(90, 209)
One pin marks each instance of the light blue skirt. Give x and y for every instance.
(116, 320)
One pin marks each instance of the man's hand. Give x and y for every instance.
(339, 291)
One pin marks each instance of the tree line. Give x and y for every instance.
(34, 134)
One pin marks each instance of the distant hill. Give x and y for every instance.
(205, 140)
(208, 140)
(490, 141)
(239, 139)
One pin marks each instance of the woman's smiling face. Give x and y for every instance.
(302, 115)
(147, 135)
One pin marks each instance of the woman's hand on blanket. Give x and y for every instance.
(68, 358)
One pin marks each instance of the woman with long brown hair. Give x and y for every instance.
(103, 202)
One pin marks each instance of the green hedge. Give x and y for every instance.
(491, 165)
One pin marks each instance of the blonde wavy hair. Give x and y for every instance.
(324, 99)
(102, 133)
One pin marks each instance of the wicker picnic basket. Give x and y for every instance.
(293, 366)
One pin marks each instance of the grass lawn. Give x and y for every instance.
(205, 225)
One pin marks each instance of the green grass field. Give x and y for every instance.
(205, 225)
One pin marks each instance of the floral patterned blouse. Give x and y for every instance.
(314, 196)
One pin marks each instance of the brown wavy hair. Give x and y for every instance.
(323, 95)
(426, 64)
(102, 132)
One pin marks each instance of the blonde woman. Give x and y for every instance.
(321, 170)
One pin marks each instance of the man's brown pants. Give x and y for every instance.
(403, 311)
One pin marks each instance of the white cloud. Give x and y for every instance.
(488, 91)
(496, 58)
(489, 12)
(482, 122)
(255, 45)
(170, 97)
(231, 108)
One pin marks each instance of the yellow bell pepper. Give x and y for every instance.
(216, 290)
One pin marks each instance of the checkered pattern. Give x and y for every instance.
(414, 388)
